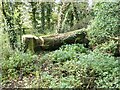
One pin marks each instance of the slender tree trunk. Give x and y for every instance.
(71, 18)
(63, 8)
(19, 23)
(34, 22)
(75, 12)
(43, 17)
(49, 9)
(64, 21)
(8, 14)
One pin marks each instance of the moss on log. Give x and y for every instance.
(52, 42)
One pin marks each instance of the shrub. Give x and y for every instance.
(108, 47)
(5, 50)
(68, 52)
(105, 68)
(18, 63)
(105, 23)
(79, 48)
(91, 69)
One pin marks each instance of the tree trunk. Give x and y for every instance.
(63, 8)
(34, 9)
(43, 17)
(75, 12)
(8, 12)
(48, 16)
(52, 42)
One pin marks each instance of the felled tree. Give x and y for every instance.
(52, 42)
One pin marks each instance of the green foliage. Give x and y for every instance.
(5, 50)
(75, 17)
(70, 66)
(14, 62)
(68, 52)
(18, 63)
(105, 67)
(79, 69)
(105, 23)
(108, 47)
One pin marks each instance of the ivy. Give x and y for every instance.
(106, 22)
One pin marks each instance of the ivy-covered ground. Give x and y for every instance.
(70, 66)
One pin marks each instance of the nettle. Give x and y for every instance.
(106, 22)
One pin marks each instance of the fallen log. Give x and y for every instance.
(52, 42)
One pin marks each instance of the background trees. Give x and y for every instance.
(42, 18)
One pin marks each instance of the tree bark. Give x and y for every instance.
(34, 9)
(8, 12)
(63, 8)
(52, 42)
(48, 16)
(42, 17)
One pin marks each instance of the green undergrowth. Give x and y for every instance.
(76, 66)
(17, 65)
(69, 66)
